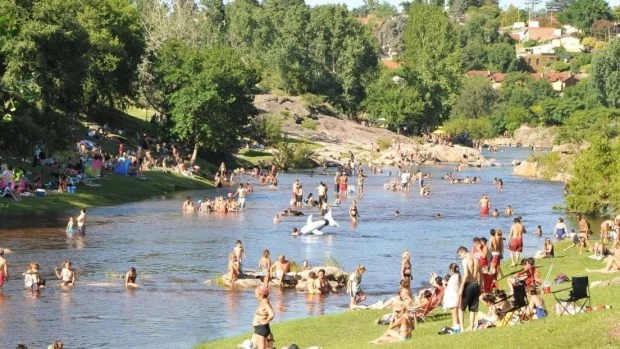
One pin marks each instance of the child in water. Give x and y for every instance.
(67, 275)
(32, 279)
(69, 229)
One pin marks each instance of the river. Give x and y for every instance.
(175, 253)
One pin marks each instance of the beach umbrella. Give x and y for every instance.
(439, 131)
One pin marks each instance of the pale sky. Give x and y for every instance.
(503, 3)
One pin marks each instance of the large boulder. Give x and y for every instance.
(250, 279)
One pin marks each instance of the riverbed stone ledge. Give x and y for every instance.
(336, 277)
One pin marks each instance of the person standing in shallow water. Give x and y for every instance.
(81, 222)
(4, 269)
(485, 205)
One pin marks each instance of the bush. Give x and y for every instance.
(330, 261)
(312, 99)
(267, 129)
(293, 156)
(309, 124)
(550, 164)
(384, 143)
(530, 43)
(560, 66)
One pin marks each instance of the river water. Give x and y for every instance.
(175, 253)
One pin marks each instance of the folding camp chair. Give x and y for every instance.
(519, 310)
(578, 296)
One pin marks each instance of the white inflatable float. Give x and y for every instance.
(316, 226)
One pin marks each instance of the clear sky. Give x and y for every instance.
(357, 3)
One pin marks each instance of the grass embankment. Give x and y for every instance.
(114, 189)
(353, 330)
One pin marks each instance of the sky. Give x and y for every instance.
(503, 3)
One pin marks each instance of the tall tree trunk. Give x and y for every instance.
(194, 154)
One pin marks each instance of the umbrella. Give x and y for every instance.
(439, 131)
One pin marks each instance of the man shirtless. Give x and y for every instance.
(497, 249)
(280, 268)
(321, 283)
(322, 191)
(584, 230)
(241, 191)
(485, 205)
(469, 290)
(81, 222)
(4, 269)
(606, 227)
(516, 241)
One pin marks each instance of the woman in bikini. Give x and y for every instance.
(264, 265)
(263, 338)
(399, 329)
(67, 275)
(405, 266)
(233, 268)
(353, 212)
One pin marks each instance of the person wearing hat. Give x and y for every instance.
(263, 338)
(4, 269)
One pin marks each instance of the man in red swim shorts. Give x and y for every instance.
(516, 241)
(485, 205)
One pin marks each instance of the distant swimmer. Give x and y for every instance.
(485, 205)
(500, 185)
(66, 275)
(295, 232)
(276, 218)
(131, 277)
(509, 211)
(188, 204)
(397, 213)
(495, 213)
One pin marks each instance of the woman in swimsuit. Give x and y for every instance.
(265, 264)
(130, 277)
(353, 211)
(399, 329)
(67, 275)
(559, 232)
(233, 268)
(405, 266)
(69, 229)
(263, 338)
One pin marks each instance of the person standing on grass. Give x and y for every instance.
(470, 287)
(353, 286)
(263, 337)
(515, 239)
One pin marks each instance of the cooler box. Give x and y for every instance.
(40, 193)
(71, 189)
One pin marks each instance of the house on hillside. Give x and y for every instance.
(569, 42)
(559, 81)
(538, 62)
(542, 34)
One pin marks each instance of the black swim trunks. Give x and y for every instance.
(471, 293)
(262, 330)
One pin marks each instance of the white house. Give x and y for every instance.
(570, 43)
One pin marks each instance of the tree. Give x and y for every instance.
(606, 74)
(501, 57)
(582, 13)
(210, 95)
(512, 15)
(603, 30)
(432, 53)
(616, 13)
(398, 101)
(595, 185)
(476, 98)
(474, 56)
(557, 6)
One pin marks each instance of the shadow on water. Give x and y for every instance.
(174, 253)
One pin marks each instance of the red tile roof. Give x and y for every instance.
(478, 73)
(498, 77)
(540, 34)
(515, 36)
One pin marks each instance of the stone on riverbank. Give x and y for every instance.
(526, 136)
(532, 170)
(251, 279)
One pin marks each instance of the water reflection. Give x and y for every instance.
(175, 253)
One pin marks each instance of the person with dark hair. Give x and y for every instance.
(130, 277)
(515, 241)
(528, 276)
(470, 287)
(451, 295)
(21, 346)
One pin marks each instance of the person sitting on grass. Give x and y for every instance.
(497, 305)
(529, 276)
(536, 307)
(612, 263)
(600, 251)
(547, 251)
(399, 329)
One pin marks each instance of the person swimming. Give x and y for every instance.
(130, 277)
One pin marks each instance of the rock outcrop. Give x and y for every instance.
(532, 170)
(526, 136)
(337, 278)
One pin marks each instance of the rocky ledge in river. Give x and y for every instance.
(533, 170)
(336, 277)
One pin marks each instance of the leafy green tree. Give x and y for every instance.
(615, 12)
(515, 116)
(501, 57)
(476, 98)
(215, 24)
(582, 13)
(511, 15)
(475, 129)
(480, 26)
(606, 74)
(519, 89)
(432, 53)
(474, 56)
(210, 95)
(398, 101)
(585, 92)
(594, 186)
(586, 124)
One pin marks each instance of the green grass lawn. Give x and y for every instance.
(354, 330)
(114, 189)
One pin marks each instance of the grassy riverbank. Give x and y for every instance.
(112, 190)
(353, 330)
